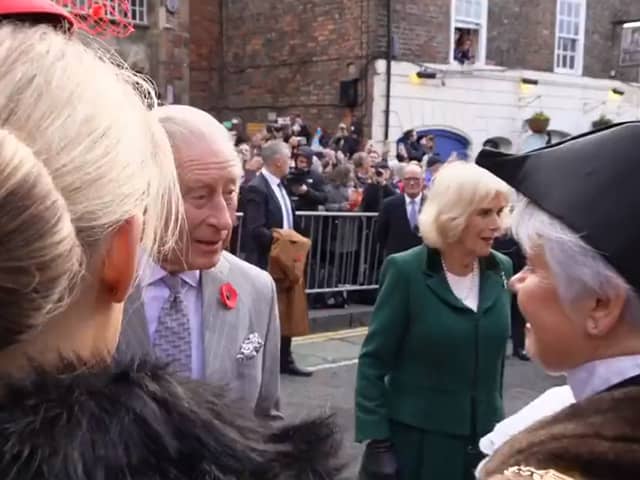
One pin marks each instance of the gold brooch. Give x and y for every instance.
(536, 474)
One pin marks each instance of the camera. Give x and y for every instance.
(296, 176)
(379, 172)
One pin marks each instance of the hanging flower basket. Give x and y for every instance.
(538, 123)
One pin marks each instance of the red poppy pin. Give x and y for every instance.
(228, 296)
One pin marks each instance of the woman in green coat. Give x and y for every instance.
(431, 367)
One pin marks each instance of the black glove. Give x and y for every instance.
(379, 461)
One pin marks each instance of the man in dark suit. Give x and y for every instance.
(398, 220)
(267, 206)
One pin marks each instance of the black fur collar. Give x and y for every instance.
(139, 422)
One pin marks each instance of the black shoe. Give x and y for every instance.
(294, 370)
(522, 355)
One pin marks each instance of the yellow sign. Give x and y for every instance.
(255, 128)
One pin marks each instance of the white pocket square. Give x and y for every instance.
(250, 347)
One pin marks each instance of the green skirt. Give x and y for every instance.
(425, 455)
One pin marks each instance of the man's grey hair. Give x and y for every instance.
(273, 150)
(579, 270)
(188, 126)
(412, 166)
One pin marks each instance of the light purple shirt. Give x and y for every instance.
(155, 292)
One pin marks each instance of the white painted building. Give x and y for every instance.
(483, 102)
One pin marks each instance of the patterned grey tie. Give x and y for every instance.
(172, 338)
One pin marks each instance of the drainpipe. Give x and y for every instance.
(387, 112)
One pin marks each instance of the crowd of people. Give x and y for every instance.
(339, 173)
(133, 345)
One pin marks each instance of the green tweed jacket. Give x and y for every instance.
(428, 360)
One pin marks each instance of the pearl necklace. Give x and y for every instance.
(472, 280)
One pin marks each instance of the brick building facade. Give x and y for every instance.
(523, 35)
(159, 47)
(251, 59)
(255, 59)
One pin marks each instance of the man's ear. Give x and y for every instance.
(605, 313)
(120, 260)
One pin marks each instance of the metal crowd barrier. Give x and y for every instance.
(345, 254)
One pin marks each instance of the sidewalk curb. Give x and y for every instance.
(332, 320)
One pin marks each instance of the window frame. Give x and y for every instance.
(466, 23)
(87, 4)
(580, 38)
(143, 8)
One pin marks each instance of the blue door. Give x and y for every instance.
(448, 142)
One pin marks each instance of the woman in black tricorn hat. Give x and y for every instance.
(578, 225)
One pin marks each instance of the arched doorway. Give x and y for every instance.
(448, 142)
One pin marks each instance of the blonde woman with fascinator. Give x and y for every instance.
(430, 372)
(86, 181)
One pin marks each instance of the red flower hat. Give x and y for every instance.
(58, 15)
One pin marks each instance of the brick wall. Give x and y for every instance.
(421, 29)
(160, 49)
(602, 49)
(281, 57)
(522, 35)
(174, 52)
(205, 52)
(251, 58)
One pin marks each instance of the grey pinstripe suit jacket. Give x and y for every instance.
(255, 381)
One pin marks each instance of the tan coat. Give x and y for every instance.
(287, 261)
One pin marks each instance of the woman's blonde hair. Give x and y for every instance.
(456, 192)
(80, 153)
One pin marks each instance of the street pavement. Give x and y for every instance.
(333, 357)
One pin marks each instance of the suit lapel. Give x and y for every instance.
(273, 205)
(492, 281)
(436, 279)
(212, 280)
(223, 328)
(405, 213)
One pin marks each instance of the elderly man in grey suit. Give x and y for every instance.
(211, 315)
